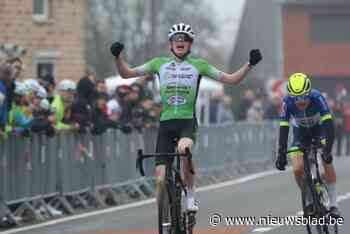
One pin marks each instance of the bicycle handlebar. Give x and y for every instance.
(141, 156)
(314, 145)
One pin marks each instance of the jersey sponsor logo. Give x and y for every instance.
(176, 101)
(170, 68)
(185, 68)
(307, 121)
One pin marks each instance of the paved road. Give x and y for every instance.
(273, 195)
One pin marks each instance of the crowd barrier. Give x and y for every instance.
(70, 168)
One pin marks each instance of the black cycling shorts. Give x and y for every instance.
(171, 130)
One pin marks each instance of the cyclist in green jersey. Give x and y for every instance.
(179, 76)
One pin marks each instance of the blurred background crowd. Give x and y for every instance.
(45, 106)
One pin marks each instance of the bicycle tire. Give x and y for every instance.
(320, 208)
(324, 198)
(164, 213)
(315, 202)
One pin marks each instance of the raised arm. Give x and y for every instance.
(124, 70)
(254, 58)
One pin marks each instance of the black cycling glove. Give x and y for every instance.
(281, 161)
(254, 57)
(116, 49)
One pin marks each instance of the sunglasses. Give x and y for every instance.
(180, 37)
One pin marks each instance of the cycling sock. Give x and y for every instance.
(332, 195)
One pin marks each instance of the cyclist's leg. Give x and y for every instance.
(184, 143)
(299, 139)
(187, 139)
(164, 145)
(297, 157)
(331, 180)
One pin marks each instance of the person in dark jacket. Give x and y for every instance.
(48, 82)
(100, 119)
(6, 79)
(83, 105)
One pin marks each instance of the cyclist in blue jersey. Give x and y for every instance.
(311, 119)
(179, 78)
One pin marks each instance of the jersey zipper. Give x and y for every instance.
(177, 82)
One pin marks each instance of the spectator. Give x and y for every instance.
(62, 104)
(142, 90)
(19, 123)
(225, 114)
(43, 117)
(272, 107)
(338, 120)
(83, 105)
(101, 86)
(48, 82)
(17, 65)
(127, 99)
(346, 113)
(256, 112)
(100, 119)
(245, 104)
(6, 75)
(114, 109)
(143, 115)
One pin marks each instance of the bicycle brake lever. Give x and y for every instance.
(139, 164)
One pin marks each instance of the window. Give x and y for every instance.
(330, 28)
(45, 68)
(40, 10)
(45, 61)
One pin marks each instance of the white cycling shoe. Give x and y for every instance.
(192, 204)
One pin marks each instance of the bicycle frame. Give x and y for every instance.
(173, 185)
(313, 180)
(315, 184)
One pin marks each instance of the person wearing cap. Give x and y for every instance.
(19, 123)
(62, 103)
(179, 75)
(48, 82)
(100, 120)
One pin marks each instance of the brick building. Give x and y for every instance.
(316, 40)
(51, 31)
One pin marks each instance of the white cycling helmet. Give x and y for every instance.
(66, 85)
(32, 85)
(21, 89)
(45, 104)
(181, 28)
(41, 92)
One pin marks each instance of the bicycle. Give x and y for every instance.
(315, 183)
(171, 218)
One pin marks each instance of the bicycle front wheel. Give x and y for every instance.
(164, 213)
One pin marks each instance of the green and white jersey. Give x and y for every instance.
(179, 83)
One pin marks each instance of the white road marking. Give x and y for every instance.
(242, 180)
(150, 201)
(262, 230)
